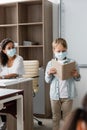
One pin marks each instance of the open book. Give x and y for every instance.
(63, 70)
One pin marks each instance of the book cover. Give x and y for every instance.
(63, 70)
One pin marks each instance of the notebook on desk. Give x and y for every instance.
(63, 70)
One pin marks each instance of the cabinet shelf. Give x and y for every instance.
(8, 25)
(21, 24)
(33, 23)
(36, 46)
(31, 2)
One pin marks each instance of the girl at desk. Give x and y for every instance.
(11, 64)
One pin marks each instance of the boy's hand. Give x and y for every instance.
(52, 71)
(75, 73)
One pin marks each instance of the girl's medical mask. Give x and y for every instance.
(11, 52)
(60, 55)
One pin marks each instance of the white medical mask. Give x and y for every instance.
(60, 55)
(11, 52)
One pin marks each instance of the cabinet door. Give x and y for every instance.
(39, 99)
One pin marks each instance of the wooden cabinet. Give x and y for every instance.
(29, 23)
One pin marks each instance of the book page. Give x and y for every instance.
(63, 70)
(58, 67)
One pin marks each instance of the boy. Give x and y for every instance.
(62, 92)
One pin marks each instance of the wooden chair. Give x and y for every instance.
(32, 71)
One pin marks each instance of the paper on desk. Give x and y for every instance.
(63, 70)
(4, 92)
(5, 82)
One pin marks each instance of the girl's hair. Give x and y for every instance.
(60, 41)
(72, 120)
(3, 56)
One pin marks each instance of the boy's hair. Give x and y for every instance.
(60, 41)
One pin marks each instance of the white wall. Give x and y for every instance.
(82, 85)
(55, 21)
(74, 28)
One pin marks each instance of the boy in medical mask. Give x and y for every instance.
(62, 92)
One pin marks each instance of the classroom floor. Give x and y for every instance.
(47, 124)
